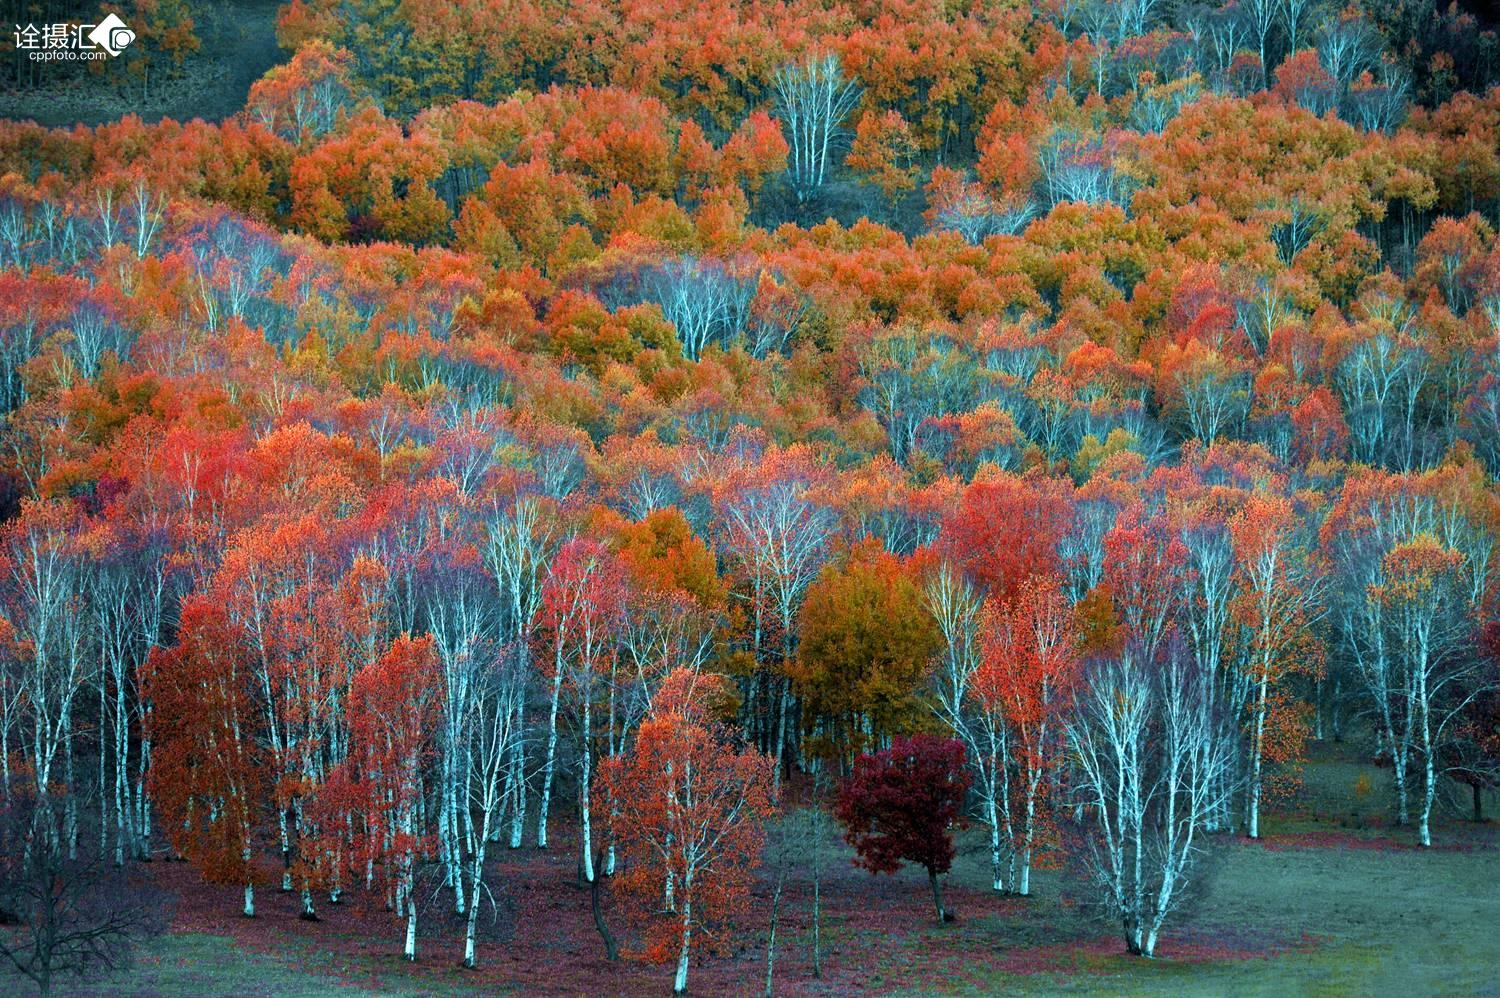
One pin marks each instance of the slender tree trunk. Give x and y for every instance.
(771, 940)
(817, 912)
(1138, 831)
(1429, 772)
(1398, 772)
(307, 914)
(142, 801)
(584, 801)
(286, 851)
(669, 890)
(1002, 773)
(1023, 885)
(614, 748)
(518, 776)
(406, 887)
(937, 893)
(611, 951)
(1424, 825)
(70, 808)
(471, 926)
(448, 837)
(103, 770)
(785, 697)
(1132, 935)
(1256, 755)
(992, 815)
(1318, 709)
(467, 813)
(679, 984)
(1398, 767)
(547, 767)
(123, 829)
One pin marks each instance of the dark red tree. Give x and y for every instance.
(1474, 757)
(900, 805)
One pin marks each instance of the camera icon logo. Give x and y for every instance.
(112, 35)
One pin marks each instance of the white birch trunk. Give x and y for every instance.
(679, 983)
(1257, 754)
(584, 800)
(551, 761)
(992, 818)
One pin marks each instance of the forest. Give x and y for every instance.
(646, 474)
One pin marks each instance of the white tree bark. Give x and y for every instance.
(1149, 769)
(679, 983)
(551, 759)
(812, 100)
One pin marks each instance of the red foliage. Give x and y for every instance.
(901, 805)
(1005, 531)
(688, 808)
(208, 774)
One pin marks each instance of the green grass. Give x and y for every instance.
(198, 965)
(194, 965)
(1399, 921)
(1386, 923)
(1331, 919)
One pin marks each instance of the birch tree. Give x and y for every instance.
(1281, 597)
(780, 534)
(703, 301)
(1148, 774)
(47, 583)
(976, 720)
(518, 549)
(812, 99)
(1415, 561)
(395, 712)
(460, 613)
(1029, 671)
(493, 718)
(582, 603)
(114, 626)
(1210, 585)
(1431, 627)
(690, 810)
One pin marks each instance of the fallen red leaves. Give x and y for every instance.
(877, 936)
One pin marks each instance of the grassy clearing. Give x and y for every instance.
(1351, 906)
(196, 964)
(1358, 921)
(1335, 902)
